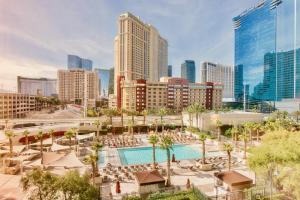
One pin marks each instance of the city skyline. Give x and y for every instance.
(37, 43)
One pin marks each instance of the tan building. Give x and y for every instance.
(140, 51)
(73, 83)
(173, 93)
(16, 105)
(112, 101)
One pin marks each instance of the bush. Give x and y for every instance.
(192, 129)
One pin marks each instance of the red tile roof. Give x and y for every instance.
(149, 177)
(233, 178)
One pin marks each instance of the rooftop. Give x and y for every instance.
(149, 177)
(233, 178)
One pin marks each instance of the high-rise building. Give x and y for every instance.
(111, 81)
(169, 70)
(218, 73)
(140, 51)
(267, 58)
(37, 86)
(104, 76)
(76, 84)
(75, 62)
(188, 71)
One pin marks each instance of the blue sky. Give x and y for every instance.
(37, 35)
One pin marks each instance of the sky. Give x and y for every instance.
(37, 35)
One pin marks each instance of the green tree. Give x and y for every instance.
(110, 113)
(40, 136)
(153, 139)
(228, 148)
(97, 123)
(45, 185)
(26, 134)
(235, 131)
(198, 109)
(162, 112)
(297, 114)
(145, 113)
(9, 135)
(52, 134)
(97, 147)
(166, 143)
(202, 138)
(69, 134)
(244, 137)
(190, 112)
(92, 159)
(219, 125)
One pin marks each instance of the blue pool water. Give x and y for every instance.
(101, 155)
(142, 155)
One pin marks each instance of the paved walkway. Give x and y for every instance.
(10, 187)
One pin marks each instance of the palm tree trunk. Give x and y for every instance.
(10, 147)
(27, 142)
(229, 161)
(197, 120)
(122, 119)
(190, 119)
(168, 169)
(257, 135)
(93, 172)
(153, 151)
(41, 150)
(219, 133)
(70, 146)
(245, 149)
(144, 119)
(203, 152)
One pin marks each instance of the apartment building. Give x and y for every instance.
(173, 93)
(76, 84)
(16, 105)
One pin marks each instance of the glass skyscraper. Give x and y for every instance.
(188, 70)
(75, 62)
(169, 70)
(267, 51)
(104, 77)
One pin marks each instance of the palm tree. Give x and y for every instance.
(153, 139)
(297, 114)
(244, 137)
(257, 128)
(97, 123)
(25, 134)
(248, 126)
(219, 125)
(92, 159)
(162, 112)
(97, 147)
(122, 111)
(130, 124)
(156, 125)
(69, 134)
(145, 113)
(198, 110)
(52, 134)
(181, 119)
(40, 136)
(228, 148)
(190, 111)
(166, 143)
(202, 138)
(10, 134)
(235, 132)
(132, 113)
(110, 113)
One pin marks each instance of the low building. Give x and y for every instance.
(173, 93)
(37, 86)
(149, 181)
(16, 105)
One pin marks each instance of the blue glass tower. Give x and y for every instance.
(188, 70)
(267, 43)
(169, 70)
(75, 62)
(104, 76)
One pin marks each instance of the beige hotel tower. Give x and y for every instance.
(140, 51)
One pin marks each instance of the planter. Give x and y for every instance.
(205, 167)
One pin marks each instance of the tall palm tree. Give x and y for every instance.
(244, 137)
(97, 147)
(166, 143)
(40, 136)
(97, 123)
(198, 110)
(162, 112)
(122, 111)
(52, 134)
(9, 135)
(228, 148)
(145, 113)
(202, 138)
(153, 139)
(132, 113)
(257, 128)
(92, 159)
(69, 134)
(248, 126)
(110, 113)
(26, 134)
(219, 125)
(190, 111)
(235, 132)
(130, 125)
(156, 125)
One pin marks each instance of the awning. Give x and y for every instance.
(69, 161)
(58, 147)
(16, 148)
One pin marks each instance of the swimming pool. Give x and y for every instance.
(142, 155)
(101, 155)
